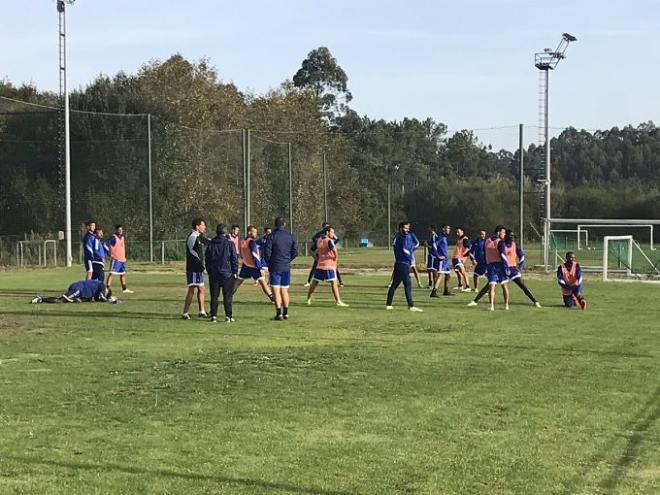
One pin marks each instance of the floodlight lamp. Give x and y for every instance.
(569, 37)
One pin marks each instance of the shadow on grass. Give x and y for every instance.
(177, 474)
(635, 429)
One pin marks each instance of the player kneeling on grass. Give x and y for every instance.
(569, 276)
(81, 291)
(222, 266)
(253, 263)
(326, 265)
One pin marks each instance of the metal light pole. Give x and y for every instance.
(547, 61)
(64, 99)
(290, 187)
(521, 185)
(390, 175)
(325, 191)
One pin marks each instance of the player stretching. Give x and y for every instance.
(250, 251)
(403, 250)
(88, 249)
(443, 262)
(478, 257)
(98, 263)
(195, 267)
(569, 276)
(495, 270)
(514, 261)
(312, 248)
(81, 291)
(458, 258)
(116, 246)
(281, 249)
(326, 265)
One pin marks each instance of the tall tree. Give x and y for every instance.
(321, 73)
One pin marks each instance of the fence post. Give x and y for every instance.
(151, 202)
(290, 189)
(521, 186)
(162, 252)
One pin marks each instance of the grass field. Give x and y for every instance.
(124, 399)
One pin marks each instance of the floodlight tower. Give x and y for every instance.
(546, 61)
(65, 145)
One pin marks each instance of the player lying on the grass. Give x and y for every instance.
(326, 265)
(403, 250)
(495, 270)
(458, 258)
(478, 257)
(222, 266)
(116, 247)
(253, 262)
(514, 262)
(81, 291)
(195, 267)
(569, 276)
(312, 248)
(442, 254)
(280, 250)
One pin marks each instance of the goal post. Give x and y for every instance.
(625, 260)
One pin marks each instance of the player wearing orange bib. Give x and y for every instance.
(116, 246)
(326, 267)
(253, 263)
(461, 251)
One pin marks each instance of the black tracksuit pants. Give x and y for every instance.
(401, 274)
(226, 284)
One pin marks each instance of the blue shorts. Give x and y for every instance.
(455, 262)
(513, 273)
(117, 267)
(495, 273)
(280, 280)
(443, 266)
(324, 275)
(432, 263)
(195, 279)
(480, 270)
(249, 272)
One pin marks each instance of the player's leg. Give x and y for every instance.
(415, 272)
(227, 297)
(447, 279)
(310, 291)
(505, 294)
(237, 283)
(519, 282)
(108, 280)
(265, 289)
(396, 281)
(285, 302)
(475, 282)
(277, 295)
(122, 281)
(407, 287)
(188, 301)
(214, 289)
(200, 301)
(311, 272)
(334, 287)
(341, 283)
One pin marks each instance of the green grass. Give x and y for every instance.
(129, 399)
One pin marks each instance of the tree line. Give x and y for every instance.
(197, 150)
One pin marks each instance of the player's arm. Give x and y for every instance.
(442, 252)
(294, 249)
(501, 247)
(256, 255)
(433, 246)
(471, 254)
(268, 249)
(89, 246)
(560, 277)
(233, 259)
(199, 250)
(109, 243)
(521, 256)
(578, 274)
(415, 241)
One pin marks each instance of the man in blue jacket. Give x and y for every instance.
(280, 250)
(403, 246)
(81, 291)
(222, 267)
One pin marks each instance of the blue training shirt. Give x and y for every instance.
(89, 241)
(442, 247)
(403, 246)
(477, 252)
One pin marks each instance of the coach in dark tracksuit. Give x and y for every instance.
(280, 250)
(403, 246)
(222, 267)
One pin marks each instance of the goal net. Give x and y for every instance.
(625, 260)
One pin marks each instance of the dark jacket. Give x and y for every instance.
(280, 250)
(221, 259)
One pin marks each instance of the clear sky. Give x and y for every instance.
(468, 64)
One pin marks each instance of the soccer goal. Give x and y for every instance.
(625, 260)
